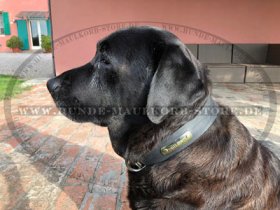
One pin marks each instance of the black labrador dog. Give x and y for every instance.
(136, 80)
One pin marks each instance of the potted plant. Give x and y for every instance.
(15, 44)
(46, 43)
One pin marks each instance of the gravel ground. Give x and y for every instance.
(27, 65)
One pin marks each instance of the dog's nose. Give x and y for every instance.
(53, 84)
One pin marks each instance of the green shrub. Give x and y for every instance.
(14, 42)
(46, 43)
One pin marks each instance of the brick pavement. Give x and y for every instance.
(50, 162)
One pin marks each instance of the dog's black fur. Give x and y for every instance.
(147, 67)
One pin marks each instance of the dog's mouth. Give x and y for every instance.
(72, 108)
(68, 105)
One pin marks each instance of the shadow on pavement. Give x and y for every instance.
(45, 172)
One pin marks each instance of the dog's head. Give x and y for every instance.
(140, 67)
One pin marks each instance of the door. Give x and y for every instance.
(38, 28)
(23, 33)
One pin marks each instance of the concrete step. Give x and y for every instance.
(244, 73)
(262, 73)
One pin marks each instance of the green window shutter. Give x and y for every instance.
(6, 21)
(49, 27)
(22, 33)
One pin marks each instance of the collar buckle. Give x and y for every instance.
(134, 167)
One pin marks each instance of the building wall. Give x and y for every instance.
(14, 7)
(207, 22)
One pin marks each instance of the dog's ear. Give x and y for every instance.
(177, 82)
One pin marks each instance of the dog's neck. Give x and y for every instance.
(129, 139)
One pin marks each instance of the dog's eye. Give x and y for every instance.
(105, 61)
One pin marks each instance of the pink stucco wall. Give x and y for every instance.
(14, 7)
(249, 21)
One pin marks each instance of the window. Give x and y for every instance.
(1, 24)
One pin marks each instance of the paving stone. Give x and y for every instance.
(71, 197)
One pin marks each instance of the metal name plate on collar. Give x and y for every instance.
(134, 167)
(184, 139)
